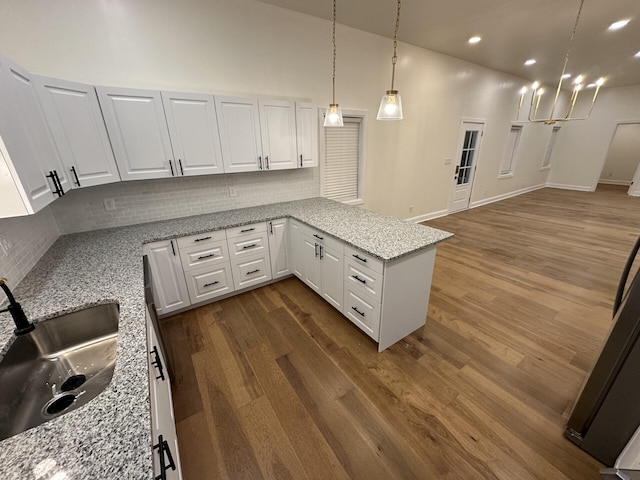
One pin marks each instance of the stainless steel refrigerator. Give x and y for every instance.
(607, 412)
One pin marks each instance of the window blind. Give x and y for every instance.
(546, 161)
(510, 148)
(342, 158)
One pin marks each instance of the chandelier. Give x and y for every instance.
(536, 93)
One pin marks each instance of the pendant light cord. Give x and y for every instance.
(573, 34)
(395, 47)
(334, 52)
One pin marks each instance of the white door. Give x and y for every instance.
(467, 158)
(74, 117)
(26, 137)
(278, 133)
(193, 128)
(138, 132)
(239, 126)
(332, 263)
(311, 264)
(307, 134)
(279, 247)
(169, 285)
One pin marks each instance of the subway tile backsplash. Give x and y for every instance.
(23, 240)
(160, 199)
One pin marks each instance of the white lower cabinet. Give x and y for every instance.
(279, 250)
(362, 311)
(169, 285)
(164, 441)
(209, 282)
(251, 270)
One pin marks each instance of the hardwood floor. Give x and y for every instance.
(276, 384)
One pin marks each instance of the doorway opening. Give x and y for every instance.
(622, 164)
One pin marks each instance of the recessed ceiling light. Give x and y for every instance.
(618, 25)
(474, 39)
(637, 54)
(591, 85)
(566, 75)
(531, 61)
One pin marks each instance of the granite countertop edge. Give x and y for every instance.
(110, 437)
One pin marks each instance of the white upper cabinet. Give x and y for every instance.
(307, 133)
(193, 128)
(239, 128)
(138, 132)
(73, 114)
(30, 164)
(278, 132)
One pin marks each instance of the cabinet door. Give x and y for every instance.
(307, 134)
(73, 114)
(279, 247)
(332, 283)
(138, 132)
(297, 249)
(251, 271)
(26, 136)
(278, 131)
(239, 127)
(209, 282)
(193, 128)
(169, 285)
(311, 264)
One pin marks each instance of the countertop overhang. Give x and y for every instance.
(110, 437)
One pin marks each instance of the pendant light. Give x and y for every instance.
(333, 115)
(391, 104)
(536, 92)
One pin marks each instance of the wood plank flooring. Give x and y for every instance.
(275, 384)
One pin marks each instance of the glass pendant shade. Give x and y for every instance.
(333, 116)
(390, 106)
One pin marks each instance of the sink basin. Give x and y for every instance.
(61, 365)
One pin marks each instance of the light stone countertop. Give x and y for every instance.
(110, 437)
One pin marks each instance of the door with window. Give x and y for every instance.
(467, 159)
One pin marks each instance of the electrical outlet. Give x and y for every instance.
(109, 204)
(232, 192)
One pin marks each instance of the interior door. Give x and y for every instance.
(467, 159)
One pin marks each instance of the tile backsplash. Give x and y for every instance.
(23, 240)
(160, 199)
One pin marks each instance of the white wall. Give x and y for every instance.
(623, 156)
(243, 46)
(582, 147)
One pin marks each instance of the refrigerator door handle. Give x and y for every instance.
(625, 276)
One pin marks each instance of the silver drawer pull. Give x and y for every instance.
(253, 271)
(250, 246)
(202, 257)
(211, 284)
(359, 258)
(247, 230)
(202, 239)
(358, 311)
(359, 279)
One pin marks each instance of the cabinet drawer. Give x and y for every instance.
(201, 239)
(248, 245)
(364, 259)
(251, 271)
(200, 256)
(363, 279)
(209, 282)
(246, 230)
(362, 311)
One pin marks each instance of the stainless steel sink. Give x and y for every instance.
(61, 365)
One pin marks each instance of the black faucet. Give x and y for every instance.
(23, 325)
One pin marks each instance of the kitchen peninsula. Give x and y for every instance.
(110, 436)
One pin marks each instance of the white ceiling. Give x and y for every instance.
(512, 31)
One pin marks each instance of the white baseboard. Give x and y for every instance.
(427, 216)
(563, 186)
(615, 182)
(504, 196)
